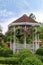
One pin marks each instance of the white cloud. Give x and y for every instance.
(6, 13)
(6, 17)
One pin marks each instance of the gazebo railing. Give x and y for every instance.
(21, 46)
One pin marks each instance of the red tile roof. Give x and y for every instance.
(25, 18)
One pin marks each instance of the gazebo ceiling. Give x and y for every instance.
(24, 20)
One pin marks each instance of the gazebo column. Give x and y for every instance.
(25, 38)
(11, 45)
(33, 43)
(36, 39)
(14, 44)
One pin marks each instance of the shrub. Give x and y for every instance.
(25, 51)
(40, 51)
(10, 60)
(24, 57)
(31, 61)
(5, 52)
(24, 54)
(40, 57)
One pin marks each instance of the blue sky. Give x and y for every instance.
(12, 9)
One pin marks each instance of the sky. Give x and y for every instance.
(13, 9)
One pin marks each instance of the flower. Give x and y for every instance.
(25, 30)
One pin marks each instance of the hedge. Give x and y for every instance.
(5, 52)
(10, 60)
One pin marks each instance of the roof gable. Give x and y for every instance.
(25, 18)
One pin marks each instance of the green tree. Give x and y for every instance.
(32, 16)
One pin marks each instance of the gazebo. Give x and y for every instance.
(25, 21)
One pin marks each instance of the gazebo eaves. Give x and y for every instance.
(24, 23)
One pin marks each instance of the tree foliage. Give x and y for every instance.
(32, 16)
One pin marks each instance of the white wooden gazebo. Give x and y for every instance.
(25, 21)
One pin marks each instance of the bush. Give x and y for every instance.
(24, 53)
(24, 57)
(10, 60)
(5, 52)
(40, 51)
(40, 57)
(31, 61)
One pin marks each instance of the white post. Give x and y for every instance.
(14, 44)
(35, 34)
(33, 43)
(11, 45)
(25, 39)
(36, 45)
(38, 40)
